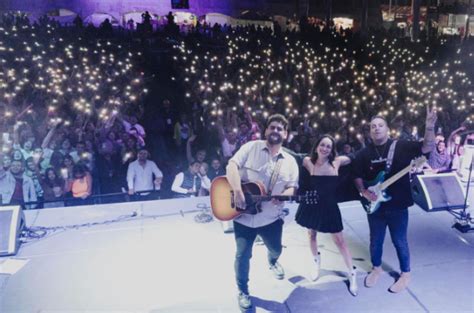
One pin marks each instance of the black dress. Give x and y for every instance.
(325, 216)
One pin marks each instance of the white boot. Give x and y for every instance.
(352, 275)
(317, 268)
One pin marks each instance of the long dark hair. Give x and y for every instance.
(314, 153)
(52, 183)
(79, 169)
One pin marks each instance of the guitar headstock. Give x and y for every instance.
(311, 197)
(418, 162)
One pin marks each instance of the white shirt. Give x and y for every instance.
(255, 163)
(7, 189)
(228, 149)
(140, 129)
(140, 178)
(205, 182)
(178, 181)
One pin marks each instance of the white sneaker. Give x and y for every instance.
(352, 275)
(277, 271)
(244, 301)
(317, 268)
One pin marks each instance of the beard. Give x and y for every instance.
(275, 139)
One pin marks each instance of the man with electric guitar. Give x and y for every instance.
(275, 176)
(387, 198)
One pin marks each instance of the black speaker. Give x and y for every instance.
(437, 192)
(11, 219)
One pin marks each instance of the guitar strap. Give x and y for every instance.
(275, 174)
(391, 153)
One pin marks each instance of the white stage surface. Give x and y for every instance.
(162, 260)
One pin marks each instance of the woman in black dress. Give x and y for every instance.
(320, 173)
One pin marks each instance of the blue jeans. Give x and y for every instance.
(244, 237)
(397, 222)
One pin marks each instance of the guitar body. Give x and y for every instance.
(380, 184)
(222, 199)
(375, 186)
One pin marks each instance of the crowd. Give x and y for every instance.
(88, 112)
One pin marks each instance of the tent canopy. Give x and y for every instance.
(97, 18)
(253, 15)
(61, 12)
(221, 19)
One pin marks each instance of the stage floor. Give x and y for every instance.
(171, 263)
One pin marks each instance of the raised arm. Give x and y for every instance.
(16, 135)
(454, 132)
(49, 136)
(189, 154)
(220, 130)
(343, 160)
(429, 138)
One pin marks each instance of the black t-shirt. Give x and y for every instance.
(371, 160)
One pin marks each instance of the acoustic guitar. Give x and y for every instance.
(224, 208)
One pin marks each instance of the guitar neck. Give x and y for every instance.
(278, 197)
(395, 177)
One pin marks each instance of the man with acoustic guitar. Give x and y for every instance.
(262, 161)
(393, 158)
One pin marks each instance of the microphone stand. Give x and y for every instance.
(463, 218)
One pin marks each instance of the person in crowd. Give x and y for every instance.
(216, 169)
(453, 146)
(440, 160)
(229, 144)
(347, 149)
(32, 171)
(66, 147)
(183, 132)
(258, 160)
(394, 213)
(143, 176)
(165, 123)
(79, 154)
(457, 158)
(132, 127)
(16, 187)
(27, 142)
(67, 167)
(187, 183)
(130, 150)
(17, 155)
(205, 181)
(110, 173)
(244, 134)
(80, 185)
(7, 161)
(200, 155)
(54, 189)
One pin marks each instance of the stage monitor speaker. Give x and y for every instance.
(437, 192)
(10, 222)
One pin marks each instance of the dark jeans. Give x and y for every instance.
(245, 236)
(397, 222)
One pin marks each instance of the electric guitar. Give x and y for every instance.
(225, 209)
(379, 184)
